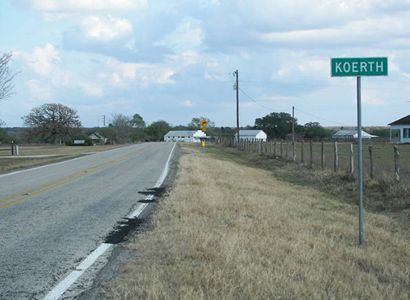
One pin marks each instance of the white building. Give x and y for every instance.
(403, 125)
(351, 134)
(189, 136)
(252, 135)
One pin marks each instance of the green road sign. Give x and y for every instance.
(364, 66)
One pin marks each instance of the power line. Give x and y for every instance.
(299, 110)
(317, 117)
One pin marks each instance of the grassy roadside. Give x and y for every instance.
(232, 231)
(56, 154)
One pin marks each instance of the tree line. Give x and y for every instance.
(58, 124)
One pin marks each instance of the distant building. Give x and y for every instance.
(351, 134)
(188, 136)
(252, 135)
(403, 125)
(98, 139)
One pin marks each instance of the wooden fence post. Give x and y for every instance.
(371, 161)
(302, 155)
(322, 155)
(281, 149)
(396, 163)
(336, 158)
(12, 148)
(274, 148)
(287, 150)
(351, 159)
(311, 153)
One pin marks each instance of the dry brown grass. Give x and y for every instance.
(229, 231)
(53, 153)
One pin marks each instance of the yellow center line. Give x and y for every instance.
(20, 197)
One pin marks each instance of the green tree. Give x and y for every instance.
(53, 123)
(157, 130)
(196, 123)
(313, 130)
(137, 121)
(276, 125)
(379, 131)
(4, 138)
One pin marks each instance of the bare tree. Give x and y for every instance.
(122, 126)
(6, 77)
(53, 123)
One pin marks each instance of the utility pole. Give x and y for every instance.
(103, 120)
(236, 74)
(293, 134)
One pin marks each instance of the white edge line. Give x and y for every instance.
(166, 169)
(59, 163)
(63, 285)
(69, 280)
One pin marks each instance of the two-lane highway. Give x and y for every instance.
(52, 217)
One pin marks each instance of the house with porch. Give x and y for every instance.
(403, 126)
(98, 139)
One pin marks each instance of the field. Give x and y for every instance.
(230, 229)
(35, 155)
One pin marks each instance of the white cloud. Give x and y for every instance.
(42, 60)
(143, 74)
(187, 36)
(106, 28)
(187, 103)
(357, 33)
(301, 66)
(54, 6)
(92, 89)
(39, 91)
(373, 101)
(187, 58)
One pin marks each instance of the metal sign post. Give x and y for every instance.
(360, 161)
(358, 67)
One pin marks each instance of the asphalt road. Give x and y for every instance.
(53, 217)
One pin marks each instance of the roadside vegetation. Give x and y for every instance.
(234, 229)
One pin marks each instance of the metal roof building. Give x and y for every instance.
(252, 135)
(351, 134)
(189, 136)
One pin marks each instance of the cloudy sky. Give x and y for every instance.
(174, 60)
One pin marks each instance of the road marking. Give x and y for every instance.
(60, 288)
(166, 169)
(71, 278)
(22, 196)
(59, 163)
